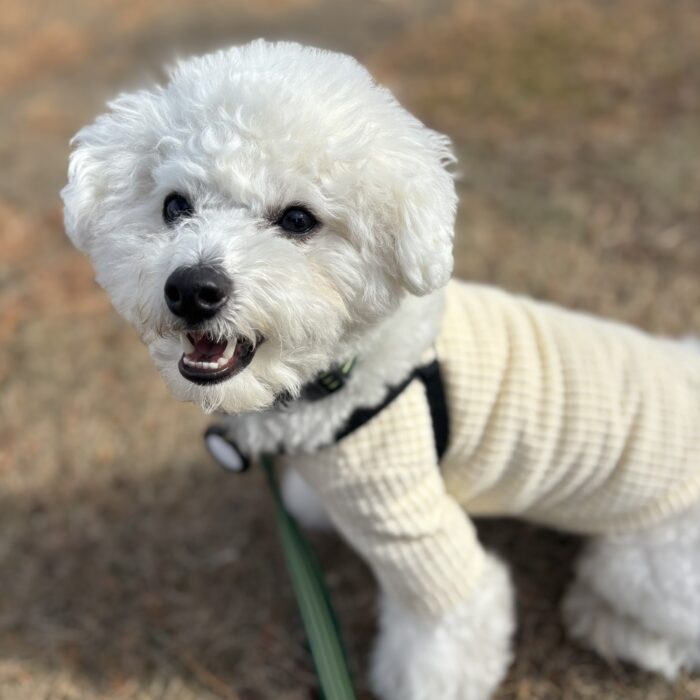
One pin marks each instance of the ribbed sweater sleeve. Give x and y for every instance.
(383, 489)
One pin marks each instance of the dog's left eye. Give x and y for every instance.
(175, 207)
(297, 220)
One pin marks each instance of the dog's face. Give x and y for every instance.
(259, 214)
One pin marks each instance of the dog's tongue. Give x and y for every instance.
(206, 349)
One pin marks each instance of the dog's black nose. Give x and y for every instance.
(196, 293)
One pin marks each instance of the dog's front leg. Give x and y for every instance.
(447, 609)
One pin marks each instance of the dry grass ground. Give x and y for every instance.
(130, 567)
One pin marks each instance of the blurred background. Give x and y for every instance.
(130, 566)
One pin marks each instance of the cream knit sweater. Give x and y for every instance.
(557, 417)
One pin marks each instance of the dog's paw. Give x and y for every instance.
(303, 503)
(461, 656)
(592, 622)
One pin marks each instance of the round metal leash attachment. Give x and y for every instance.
(224, 451)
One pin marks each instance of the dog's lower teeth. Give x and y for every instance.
(204, 365)
(220, 363)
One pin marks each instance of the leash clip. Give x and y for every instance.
(224, 451)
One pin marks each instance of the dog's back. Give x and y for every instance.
(557, 416)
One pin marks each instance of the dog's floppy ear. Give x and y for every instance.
(109, 156)
(427, 205)
(81, 194)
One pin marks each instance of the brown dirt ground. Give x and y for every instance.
(130, 567)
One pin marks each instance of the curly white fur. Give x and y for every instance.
(246, 132)
(462, 655)
(637, 597)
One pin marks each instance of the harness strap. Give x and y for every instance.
(431, 377)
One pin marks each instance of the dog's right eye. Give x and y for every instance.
(175, 207)
(297, 220)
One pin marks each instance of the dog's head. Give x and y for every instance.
(258, 214)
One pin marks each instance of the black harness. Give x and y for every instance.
(435, 393)
(230, 457)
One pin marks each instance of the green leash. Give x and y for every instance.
(320, 623)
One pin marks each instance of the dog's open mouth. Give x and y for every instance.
(207, 360)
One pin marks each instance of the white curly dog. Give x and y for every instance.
(279, 230)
